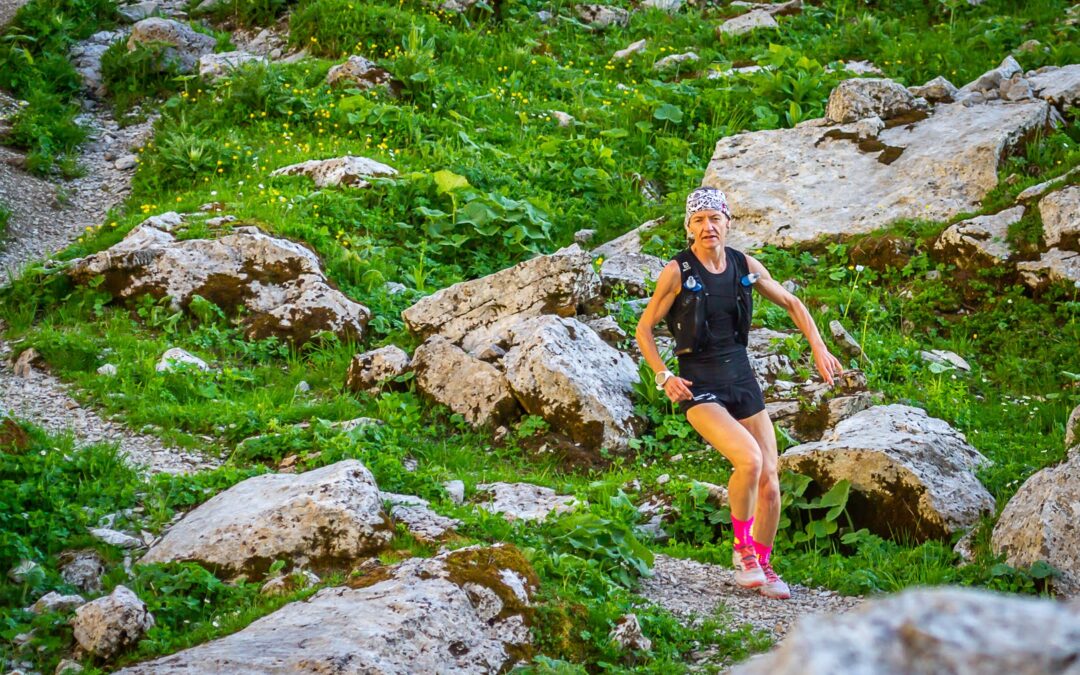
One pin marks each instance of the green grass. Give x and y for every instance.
(34, 66)
(488, 179)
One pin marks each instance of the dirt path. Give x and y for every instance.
(690, 590)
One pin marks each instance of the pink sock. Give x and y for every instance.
(742, 531)
(763, 552)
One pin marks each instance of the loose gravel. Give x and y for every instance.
(692, 591)
(44, 400)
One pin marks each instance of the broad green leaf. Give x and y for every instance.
(448, 181)
(669, 113)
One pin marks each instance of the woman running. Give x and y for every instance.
(706, 295)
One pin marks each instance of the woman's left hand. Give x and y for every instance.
(827, 364)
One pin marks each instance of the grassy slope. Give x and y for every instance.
(476, 104)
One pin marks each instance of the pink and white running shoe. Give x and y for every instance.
(774, 587)
(748, 572)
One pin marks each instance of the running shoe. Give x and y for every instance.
(774, 586)
(748, 572)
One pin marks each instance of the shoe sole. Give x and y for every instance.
(774, 596)
(750, 583)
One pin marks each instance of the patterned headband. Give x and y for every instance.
(706, 199)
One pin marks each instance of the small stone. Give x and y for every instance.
(302, 387)
(126, 163)
(108, 370)
(54, 602)
(179, 357)
(564, 119)
(21, 572)
(628, 635)
(630, 50)
(677, 458)
(663, 479)
(456, 491)
(584, 237)
(115, 538)
(844, 338)
(24, 365)
(68, 667)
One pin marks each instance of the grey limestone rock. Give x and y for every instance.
(523, 501)
(371, 371)
(927, 631)
(1042, 522)
(279, 282)
(474, 388)
(560, 369)
(324, 518)
(910, 473)
(111, 624)
(858, 98)
(478, 312)
(349, 171)
(187, 44)
(461, 612)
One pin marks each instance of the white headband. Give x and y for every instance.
(706, 199)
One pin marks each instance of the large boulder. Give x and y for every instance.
(633, 272)
(1042, 522)
(109, 625)
(980, 241)
(629, 243)
(924, 632)
(560, 369)
(186, 44)
(466, 611)
(859, 98)
(279, 282)
(1054, 266)
(475, 313)
(321, 519)
(911, 474)
(475, 389)
(845, 180)
(371, 371)
(1060, 86)
(1060, 213)
(348, 170)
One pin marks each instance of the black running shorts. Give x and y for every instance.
(725, 378)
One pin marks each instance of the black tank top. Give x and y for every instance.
(721, 310)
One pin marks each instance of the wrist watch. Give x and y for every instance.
(662, 377)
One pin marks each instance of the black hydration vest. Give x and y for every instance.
(687, 318)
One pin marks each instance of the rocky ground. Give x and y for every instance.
(45, 400)
(49, 215)
(692, 589)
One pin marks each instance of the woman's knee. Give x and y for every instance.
(749, 464)
(769, 487)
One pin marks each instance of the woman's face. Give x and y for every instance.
(709, 228)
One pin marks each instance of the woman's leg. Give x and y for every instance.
(738, 445)
(767, 511)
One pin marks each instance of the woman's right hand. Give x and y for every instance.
(678, 389)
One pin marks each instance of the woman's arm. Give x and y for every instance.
(667, 289)
(827, 364)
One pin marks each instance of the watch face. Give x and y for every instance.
(661, 377)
